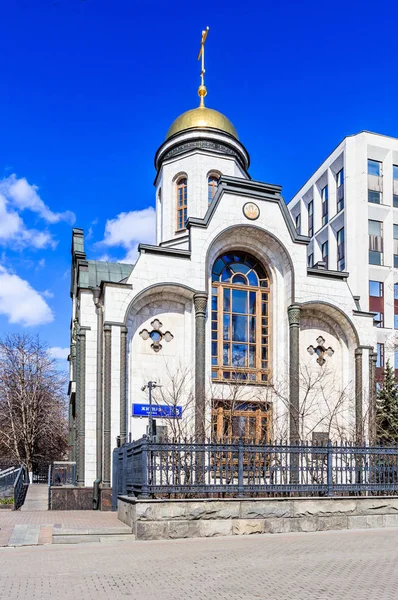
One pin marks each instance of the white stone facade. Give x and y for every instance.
(331, 399)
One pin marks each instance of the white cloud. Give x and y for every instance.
(106, 258)
(59, 353)
(23, 195)
(90, 232)
(17, 195)
(20, 302)
(129, 229)
(47, 294)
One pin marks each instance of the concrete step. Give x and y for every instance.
(65, 535)
(86, 539)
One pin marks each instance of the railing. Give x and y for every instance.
(7, 477)
(21, 485)
(62, 473)
(187, 469)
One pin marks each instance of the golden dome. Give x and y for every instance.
(202, 117)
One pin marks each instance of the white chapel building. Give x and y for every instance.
(243, 337)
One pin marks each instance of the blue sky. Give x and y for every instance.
(90, 87)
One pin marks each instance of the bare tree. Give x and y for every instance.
(324, 403)
(33, 423)
(175, 391)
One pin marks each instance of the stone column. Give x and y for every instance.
(123, 385)
(294, 372)
(200, 302)
(372, 396)
(358, 396)
(81, 404)
(99, 398)
(107, 405)
(73, 436)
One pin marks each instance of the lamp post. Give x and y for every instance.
(151, 385)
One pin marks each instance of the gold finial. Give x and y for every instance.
(202, 91)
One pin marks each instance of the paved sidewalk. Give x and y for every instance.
(44, 527)
(349, 565)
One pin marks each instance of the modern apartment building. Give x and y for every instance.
(349, 209)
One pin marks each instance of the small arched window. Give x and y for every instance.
(212, 183)
(182, 203)
(240, 319)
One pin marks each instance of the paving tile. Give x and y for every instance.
(46, 535)
(354, 565)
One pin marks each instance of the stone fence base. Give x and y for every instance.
(78, 498)
(171, 519)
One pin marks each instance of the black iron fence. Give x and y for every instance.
(188, 469)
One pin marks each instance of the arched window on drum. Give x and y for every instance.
(212, 183)
(182, 203)
(240, 319)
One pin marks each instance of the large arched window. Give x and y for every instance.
(212, 183)
(182, 202)
(240, 319)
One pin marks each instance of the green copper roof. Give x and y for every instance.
(104, 271)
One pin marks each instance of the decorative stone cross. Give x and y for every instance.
(320, 350)
(156, 335)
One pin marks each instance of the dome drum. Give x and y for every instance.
(202, 138)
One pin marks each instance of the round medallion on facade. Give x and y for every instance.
(251, 211)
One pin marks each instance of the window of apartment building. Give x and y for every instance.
(378, 319)
(395, 178)
(374, 197)
(395, 305)
(340, 250)
(374, 167)
(380, 356)
(376, 301)
(395, 245)
(396, 358)
(375, 242)
(311, 218)
(297, 222)
(325, 254)
(340, 190)
(325, 210)
(376, 289)
(310, 260)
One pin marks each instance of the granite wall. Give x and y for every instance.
(71, 498)
(170, 519)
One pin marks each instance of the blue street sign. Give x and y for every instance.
(158, 410)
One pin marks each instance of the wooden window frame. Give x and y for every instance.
(181, 210)
(223, 412)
